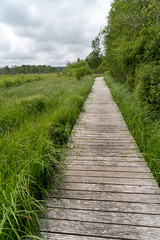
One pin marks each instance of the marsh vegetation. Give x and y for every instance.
(37, 116)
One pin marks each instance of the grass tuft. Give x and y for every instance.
(18, 79)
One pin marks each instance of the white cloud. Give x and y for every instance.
(49, 31)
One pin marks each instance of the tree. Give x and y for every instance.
(94, 59)
(132, 26)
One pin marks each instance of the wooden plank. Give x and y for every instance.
(111, 188)
(99, 123)
(105, 206)
(101, 180)
(50, 236)
(88, 140)
(96, 141)
(93, 136)
(109, 196)
(85, 116)
(113, 153)
(104, 174)
(95, 131)
(105, 151)
(104, 147)
(103, 217)
(101, 230)
(104, 132)
(107, 159)
(100, 135)
(106, 128)
(109, 163)
(101, 167)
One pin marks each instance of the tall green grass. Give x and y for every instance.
(143, 123)
(18, 79)
(35, 123)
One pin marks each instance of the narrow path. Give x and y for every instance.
(110, 192)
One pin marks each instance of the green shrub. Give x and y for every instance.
(78, 69)
(103, 67)
(81, 71)
(148, 84)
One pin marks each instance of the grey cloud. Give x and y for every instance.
(17, 56)
(18, 13)
(4, 45)
(49, 30)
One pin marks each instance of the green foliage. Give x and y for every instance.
(143, 124)
(35, 123)
(78, 69)
(148, 84)
(103, 67)
(94, 59)
(132, 44)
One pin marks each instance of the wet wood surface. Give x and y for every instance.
(109, 191)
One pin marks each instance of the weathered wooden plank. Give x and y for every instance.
(106, 141)
(90, 122)
(135, 219)
(85, 116)
(101, 167)
(104, 132)
(105, 206)
(102, 230)
(104, 174)
(95, 111)
(100, 135)
(50, 236)
(96, 126)
(109, 196)
(126, 154)
(95, 143)
(102, 180)
(111, 188)
(109, 163)
(105, 151)
(107, 159)
(105, 147)
(102, 144)
(87, 129)
(106, 128)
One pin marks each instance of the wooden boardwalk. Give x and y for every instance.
(110, 192)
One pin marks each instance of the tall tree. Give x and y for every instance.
(94, 59)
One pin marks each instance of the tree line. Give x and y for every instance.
(27, 69)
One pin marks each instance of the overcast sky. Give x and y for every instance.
(49, 32)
